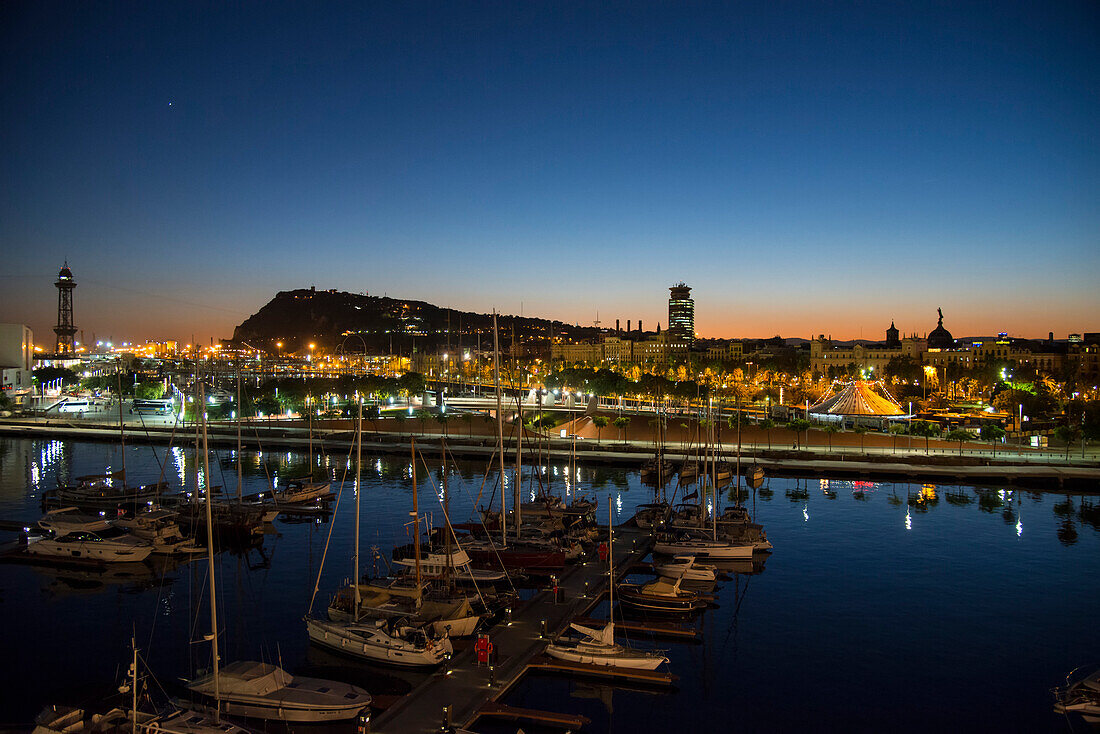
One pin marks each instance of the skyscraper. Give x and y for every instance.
(681, 313)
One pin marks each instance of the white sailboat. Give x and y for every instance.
(394, 641)
(262, 690)
(598, 647)
(686, 568)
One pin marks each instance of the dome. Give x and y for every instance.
(940, 338)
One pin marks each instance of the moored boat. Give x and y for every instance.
(266, 691)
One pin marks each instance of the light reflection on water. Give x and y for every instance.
(928, 600)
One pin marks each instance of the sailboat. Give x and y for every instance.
(394, 641)
(304, 489)
(598, 647)
(262, 690)
(447, 614)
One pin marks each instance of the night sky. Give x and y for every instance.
(806, 167)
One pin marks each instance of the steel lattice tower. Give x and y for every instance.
(65, 329)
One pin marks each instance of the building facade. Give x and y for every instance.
(16, 358)
(681, 314)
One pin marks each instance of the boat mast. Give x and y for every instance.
(239, 411)
(713, 472)
(121, 431)
(416, 519)
(517, 490)
(210, 557)
(448, 568)
(134, 683)
(309, 418)
(738, 485)
(500, 427)
(358, 491)
(610, 571)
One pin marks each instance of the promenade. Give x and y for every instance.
(904, 460)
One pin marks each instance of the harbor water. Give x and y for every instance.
(883, 606)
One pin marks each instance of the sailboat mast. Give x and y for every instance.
(210, 556)
(713, 474)
(239, 411)
(738, 485)
(358, 491)
(500, 427)
(415, 517)
(610, 565)
(134, 684)
(517, 490)
(448, 569)
(121, 430)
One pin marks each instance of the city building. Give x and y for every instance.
(681, 314)
(16, 359)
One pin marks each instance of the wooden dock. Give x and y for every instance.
(501, 711)
(467, 687)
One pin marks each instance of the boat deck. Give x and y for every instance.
(467, 687)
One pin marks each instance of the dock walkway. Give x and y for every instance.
(466, 687)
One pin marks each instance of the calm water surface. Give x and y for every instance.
(884, 606)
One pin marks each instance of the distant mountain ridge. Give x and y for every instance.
(329, 318)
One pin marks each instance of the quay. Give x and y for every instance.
(940, 466)
(464, 690)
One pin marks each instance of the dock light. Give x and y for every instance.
(508, 614)
(542, 627)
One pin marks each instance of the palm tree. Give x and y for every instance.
(441, 418)
(468, 419)
(423, 415)
(621, 423)
(1067, 434)
(373, 414)
(958, 434)
(896, 430)
(860, 430)
(768, 424)
(993, 434)
(600, 421)
(830, 430)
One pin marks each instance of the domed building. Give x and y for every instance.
(940, 338)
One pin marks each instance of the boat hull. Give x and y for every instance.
(339, 637)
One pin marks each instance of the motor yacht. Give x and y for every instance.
(266, 691)
(110, 545)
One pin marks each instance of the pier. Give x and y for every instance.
(465, 690)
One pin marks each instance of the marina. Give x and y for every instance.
(856, 552)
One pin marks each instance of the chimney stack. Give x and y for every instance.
(617, 329)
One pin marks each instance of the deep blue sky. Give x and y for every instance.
(807, 167)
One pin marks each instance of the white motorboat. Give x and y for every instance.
(686, 568)
(111, 545)
(1080, 695)
(388, 641)
(65, 520)
(160, 528)
(704, 547)
(598, 647)
(266, 691)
